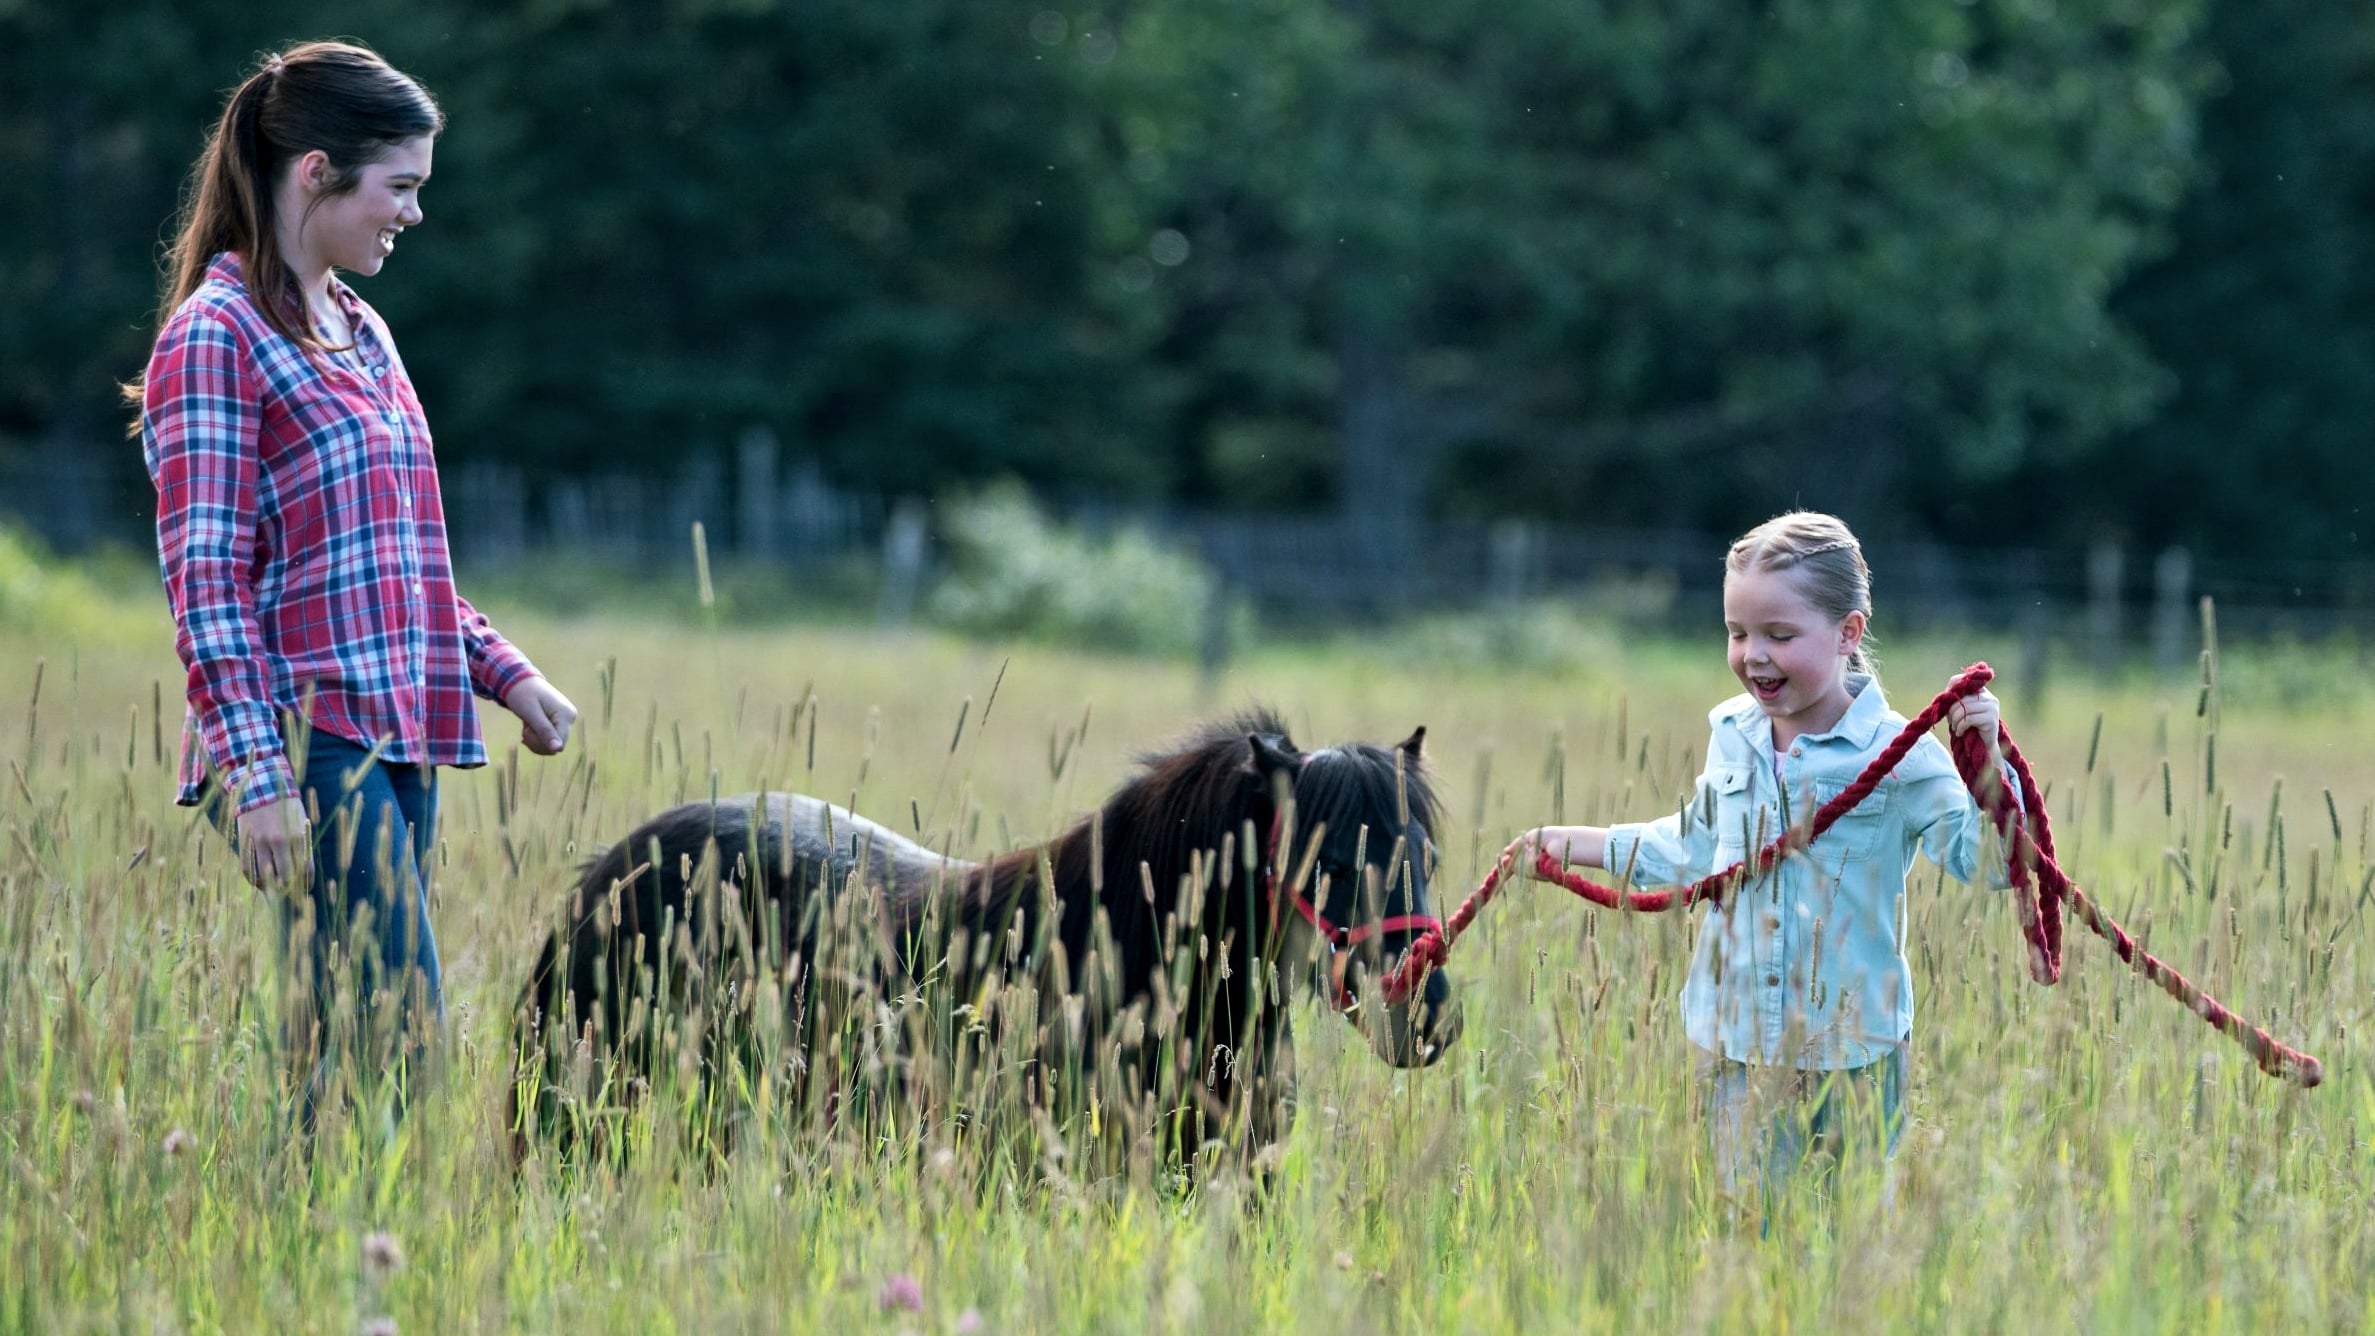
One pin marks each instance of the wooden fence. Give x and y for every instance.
(757, 507)
(1327, 565)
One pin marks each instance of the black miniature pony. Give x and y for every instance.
(782, 952)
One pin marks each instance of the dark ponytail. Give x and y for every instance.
(230, 201)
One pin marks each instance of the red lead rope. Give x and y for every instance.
(2040, 888)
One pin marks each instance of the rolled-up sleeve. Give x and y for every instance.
(1675, 848)
(1954, 833)
(199, 430)
(496, 665)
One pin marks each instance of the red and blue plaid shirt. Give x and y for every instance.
(302, 540)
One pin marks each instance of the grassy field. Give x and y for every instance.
(2082, 1157)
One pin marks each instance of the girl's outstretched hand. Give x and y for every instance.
(1523, 852)
(1568, 846)
(544, 713)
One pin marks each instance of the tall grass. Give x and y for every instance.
(2085, 1156)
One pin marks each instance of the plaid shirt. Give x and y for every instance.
(302, 541)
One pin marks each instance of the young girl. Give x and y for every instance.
(330, 662)
(1799, 997)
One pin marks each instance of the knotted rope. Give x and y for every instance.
(2041, 889)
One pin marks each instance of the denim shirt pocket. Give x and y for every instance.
(1729, 810)
(1858, 832)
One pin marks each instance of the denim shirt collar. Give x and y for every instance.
(1866, 717)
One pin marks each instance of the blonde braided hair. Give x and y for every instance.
(1830, 566)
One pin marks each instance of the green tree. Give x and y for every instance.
(1679, 262)
(103, 109)
(863, 224)
(652, 225)
(2261, 310)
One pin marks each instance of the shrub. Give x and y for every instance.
(1544, 636)
(1015, 573)
(48, 599)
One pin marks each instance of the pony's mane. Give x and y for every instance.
(1347, 785)
(1201, 799)
(1192, 799)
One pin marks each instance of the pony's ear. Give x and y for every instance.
(1410, 745)
(1273, 755)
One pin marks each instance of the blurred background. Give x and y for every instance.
(1289, 309)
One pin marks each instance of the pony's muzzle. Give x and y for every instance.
(1418, 1031)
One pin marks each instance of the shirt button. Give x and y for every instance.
(1772, 981)
(1772, 922)
(416, 588)
(378, 371)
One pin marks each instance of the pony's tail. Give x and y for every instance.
(528, 1018)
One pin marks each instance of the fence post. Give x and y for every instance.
(2105, 567)
(2172, 587)
(1212, 648)
(568, 514)
(1512, 561)
(696, 496)
(903, 546)
(2036, 651)
(755, 536)
(483, 519)
(2035, 624)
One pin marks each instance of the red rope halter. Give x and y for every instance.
(1339, 940)
(2040, 888)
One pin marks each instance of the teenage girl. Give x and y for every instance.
(331, 664)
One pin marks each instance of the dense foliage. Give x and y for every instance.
(1675, 263)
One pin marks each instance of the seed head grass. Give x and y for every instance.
(2085, 1156)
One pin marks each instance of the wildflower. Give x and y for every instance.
(968, 1322)
(901, 1293)
(379, 1326)
(179, 1143)
(383, 1256)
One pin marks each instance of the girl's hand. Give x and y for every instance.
(1982, 711)
(544, 713)
(1568, 846)
(272, 845)
(1523, 852)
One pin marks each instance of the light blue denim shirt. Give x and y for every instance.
(1805, 966)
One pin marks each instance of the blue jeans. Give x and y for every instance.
(1765, 1124)
(365, 983)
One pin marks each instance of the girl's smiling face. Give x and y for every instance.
(355, 230)
(1790, 657)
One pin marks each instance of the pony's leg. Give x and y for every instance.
(1271, 1119)
(1273, 1113)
